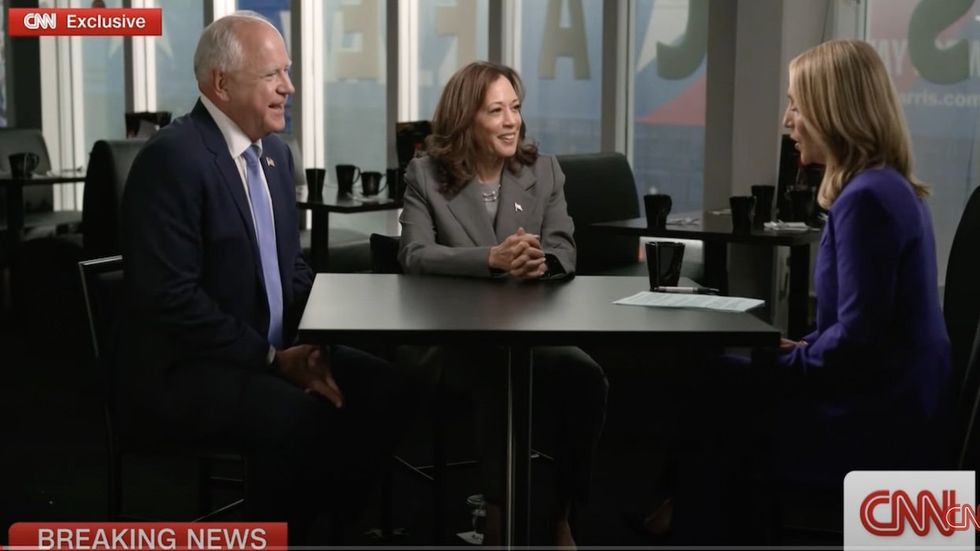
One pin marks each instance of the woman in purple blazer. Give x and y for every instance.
(879, 358)
(866, 389)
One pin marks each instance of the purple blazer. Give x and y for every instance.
(879, 360)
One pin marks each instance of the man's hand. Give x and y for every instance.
(307, 367)
(502, 256)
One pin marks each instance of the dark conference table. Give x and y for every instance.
(368, 309)
(328, 202)
(716, 232)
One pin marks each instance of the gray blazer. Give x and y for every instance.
(453, 236)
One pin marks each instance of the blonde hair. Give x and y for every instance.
(843, 91)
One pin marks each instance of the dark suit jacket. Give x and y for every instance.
(194, 279)
(453, 235)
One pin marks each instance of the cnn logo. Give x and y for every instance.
(913, 509)
(35, 21)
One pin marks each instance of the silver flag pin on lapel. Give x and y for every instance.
(269, 161)
(518, 207)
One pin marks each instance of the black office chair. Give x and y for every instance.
(144, 124)
(104, 300)
(108, 167)
(961, 309)
(599, 187)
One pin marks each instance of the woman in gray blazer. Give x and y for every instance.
(482, 203)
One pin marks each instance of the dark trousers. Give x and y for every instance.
(306, 456)
(569, 402)
(750, 428)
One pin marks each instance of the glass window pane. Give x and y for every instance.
(176, 87)
(561, 65)
(451, 33)
(935, 76)
(103, 91)
(669, 52)
(354, 87)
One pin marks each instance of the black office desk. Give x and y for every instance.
(362, 309)
(322, 207)
(716, 232)
(14, 189)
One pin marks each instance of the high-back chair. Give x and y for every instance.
(599, 187)
(961, 309)
(104, 300)
(105, 180)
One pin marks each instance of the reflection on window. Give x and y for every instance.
(561, 65)
(668, 127)
(354, 87)
(176, 87)
(932, 51)
(449, 34)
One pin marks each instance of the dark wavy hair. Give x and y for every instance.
(451, 144)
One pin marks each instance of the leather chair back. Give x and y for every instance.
(961, 308)
(105, 180)
(599, 187)
(384, 254)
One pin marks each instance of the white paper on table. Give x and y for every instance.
(682, 300)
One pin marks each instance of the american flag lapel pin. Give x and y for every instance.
(270, 162)
(518, 207)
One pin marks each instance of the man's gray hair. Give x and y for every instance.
(219, 46)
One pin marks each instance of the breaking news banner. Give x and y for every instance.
(84, 22)
(910, 510)
(212, 536)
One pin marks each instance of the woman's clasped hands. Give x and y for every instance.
(520, 255)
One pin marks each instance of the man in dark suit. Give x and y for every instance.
(216, 285)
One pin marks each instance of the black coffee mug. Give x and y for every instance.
(314, 183)
(23, 165)
(763, 204)
(657, 207)
(371, 183)
(346, 176)
(664, 261)
(395, 180)
(742, 207)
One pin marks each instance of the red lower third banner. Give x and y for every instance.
(84, 22)
(261, 536)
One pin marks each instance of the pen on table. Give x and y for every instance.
(687, 290)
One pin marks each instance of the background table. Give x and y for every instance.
(322, 207)
(14, 189)
(716, 232)
(368, 309)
